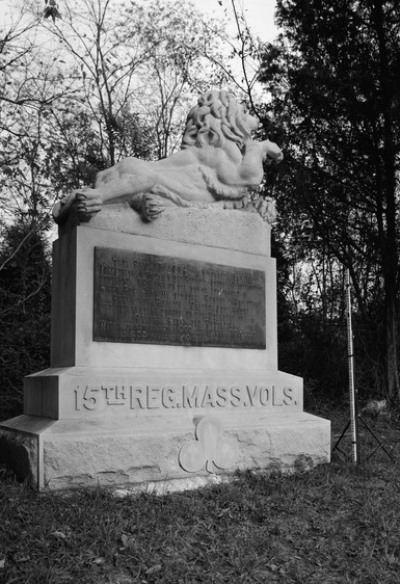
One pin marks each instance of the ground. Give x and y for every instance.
(338, 523)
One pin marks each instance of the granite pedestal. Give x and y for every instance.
(163, 358)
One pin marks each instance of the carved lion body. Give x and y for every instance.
(218, 162)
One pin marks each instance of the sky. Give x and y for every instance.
(259, 14)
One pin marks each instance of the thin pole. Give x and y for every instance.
(352, 390)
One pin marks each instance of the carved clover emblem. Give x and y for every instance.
(209, 448)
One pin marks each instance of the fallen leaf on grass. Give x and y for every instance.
(21, 558)
(153, 569)
(63, 532)
(391, 558)
(59, 534)
(127, 541)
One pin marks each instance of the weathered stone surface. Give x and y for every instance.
(80, 453)
(245, 232)
(72, 312)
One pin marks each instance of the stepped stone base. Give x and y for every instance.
(57, 454)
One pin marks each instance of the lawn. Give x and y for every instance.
(338, 523)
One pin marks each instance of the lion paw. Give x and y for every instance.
(87, 203)
(151, 207)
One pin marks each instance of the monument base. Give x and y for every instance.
(164, 366)
(66, 454)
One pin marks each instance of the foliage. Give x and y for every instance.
(332, 77)
(24, 311)
(32, 86)
(82, 91)
(137, 65)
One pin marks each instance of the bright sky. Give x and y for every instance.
(259, 14)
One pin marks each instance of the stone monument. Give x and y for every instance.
(164, 336)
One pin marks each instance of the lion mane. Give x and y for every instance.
(217, 115)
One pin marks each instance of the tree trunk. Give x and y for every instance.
(390, 258)
(392, 374)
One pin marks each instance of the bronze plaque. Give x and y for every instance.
(162, 300)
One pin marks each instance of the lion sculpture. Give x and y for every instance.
(218, 165)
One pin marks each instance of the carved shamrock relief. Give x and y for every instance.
(209, 448)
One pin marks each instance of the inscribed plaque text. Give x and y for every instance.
(146, 298)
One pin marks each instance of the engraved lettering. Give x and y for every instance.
(150, 397)
(168, 397)
(264, 396)
(114, 396)
(191, 398)
(138, 398)
(236, 397)
(252, 394)
(76, 392)
(153, 397)
(208, 398)
(288, 393)
(276, 401)
(90, 400)
(222, 396)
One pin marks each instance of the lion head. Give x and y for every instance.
(217, 115)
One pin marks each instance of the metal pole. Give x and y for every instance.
(352, 390)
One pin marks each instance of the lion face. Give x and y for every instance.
(217, 117)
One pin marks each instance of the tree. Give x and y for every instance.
(137, 63)
(333, 75)
(179, 39)
(24, 310)
(102, 57)
(71, 104)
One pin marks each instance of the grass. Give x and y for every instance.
(335, 524)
